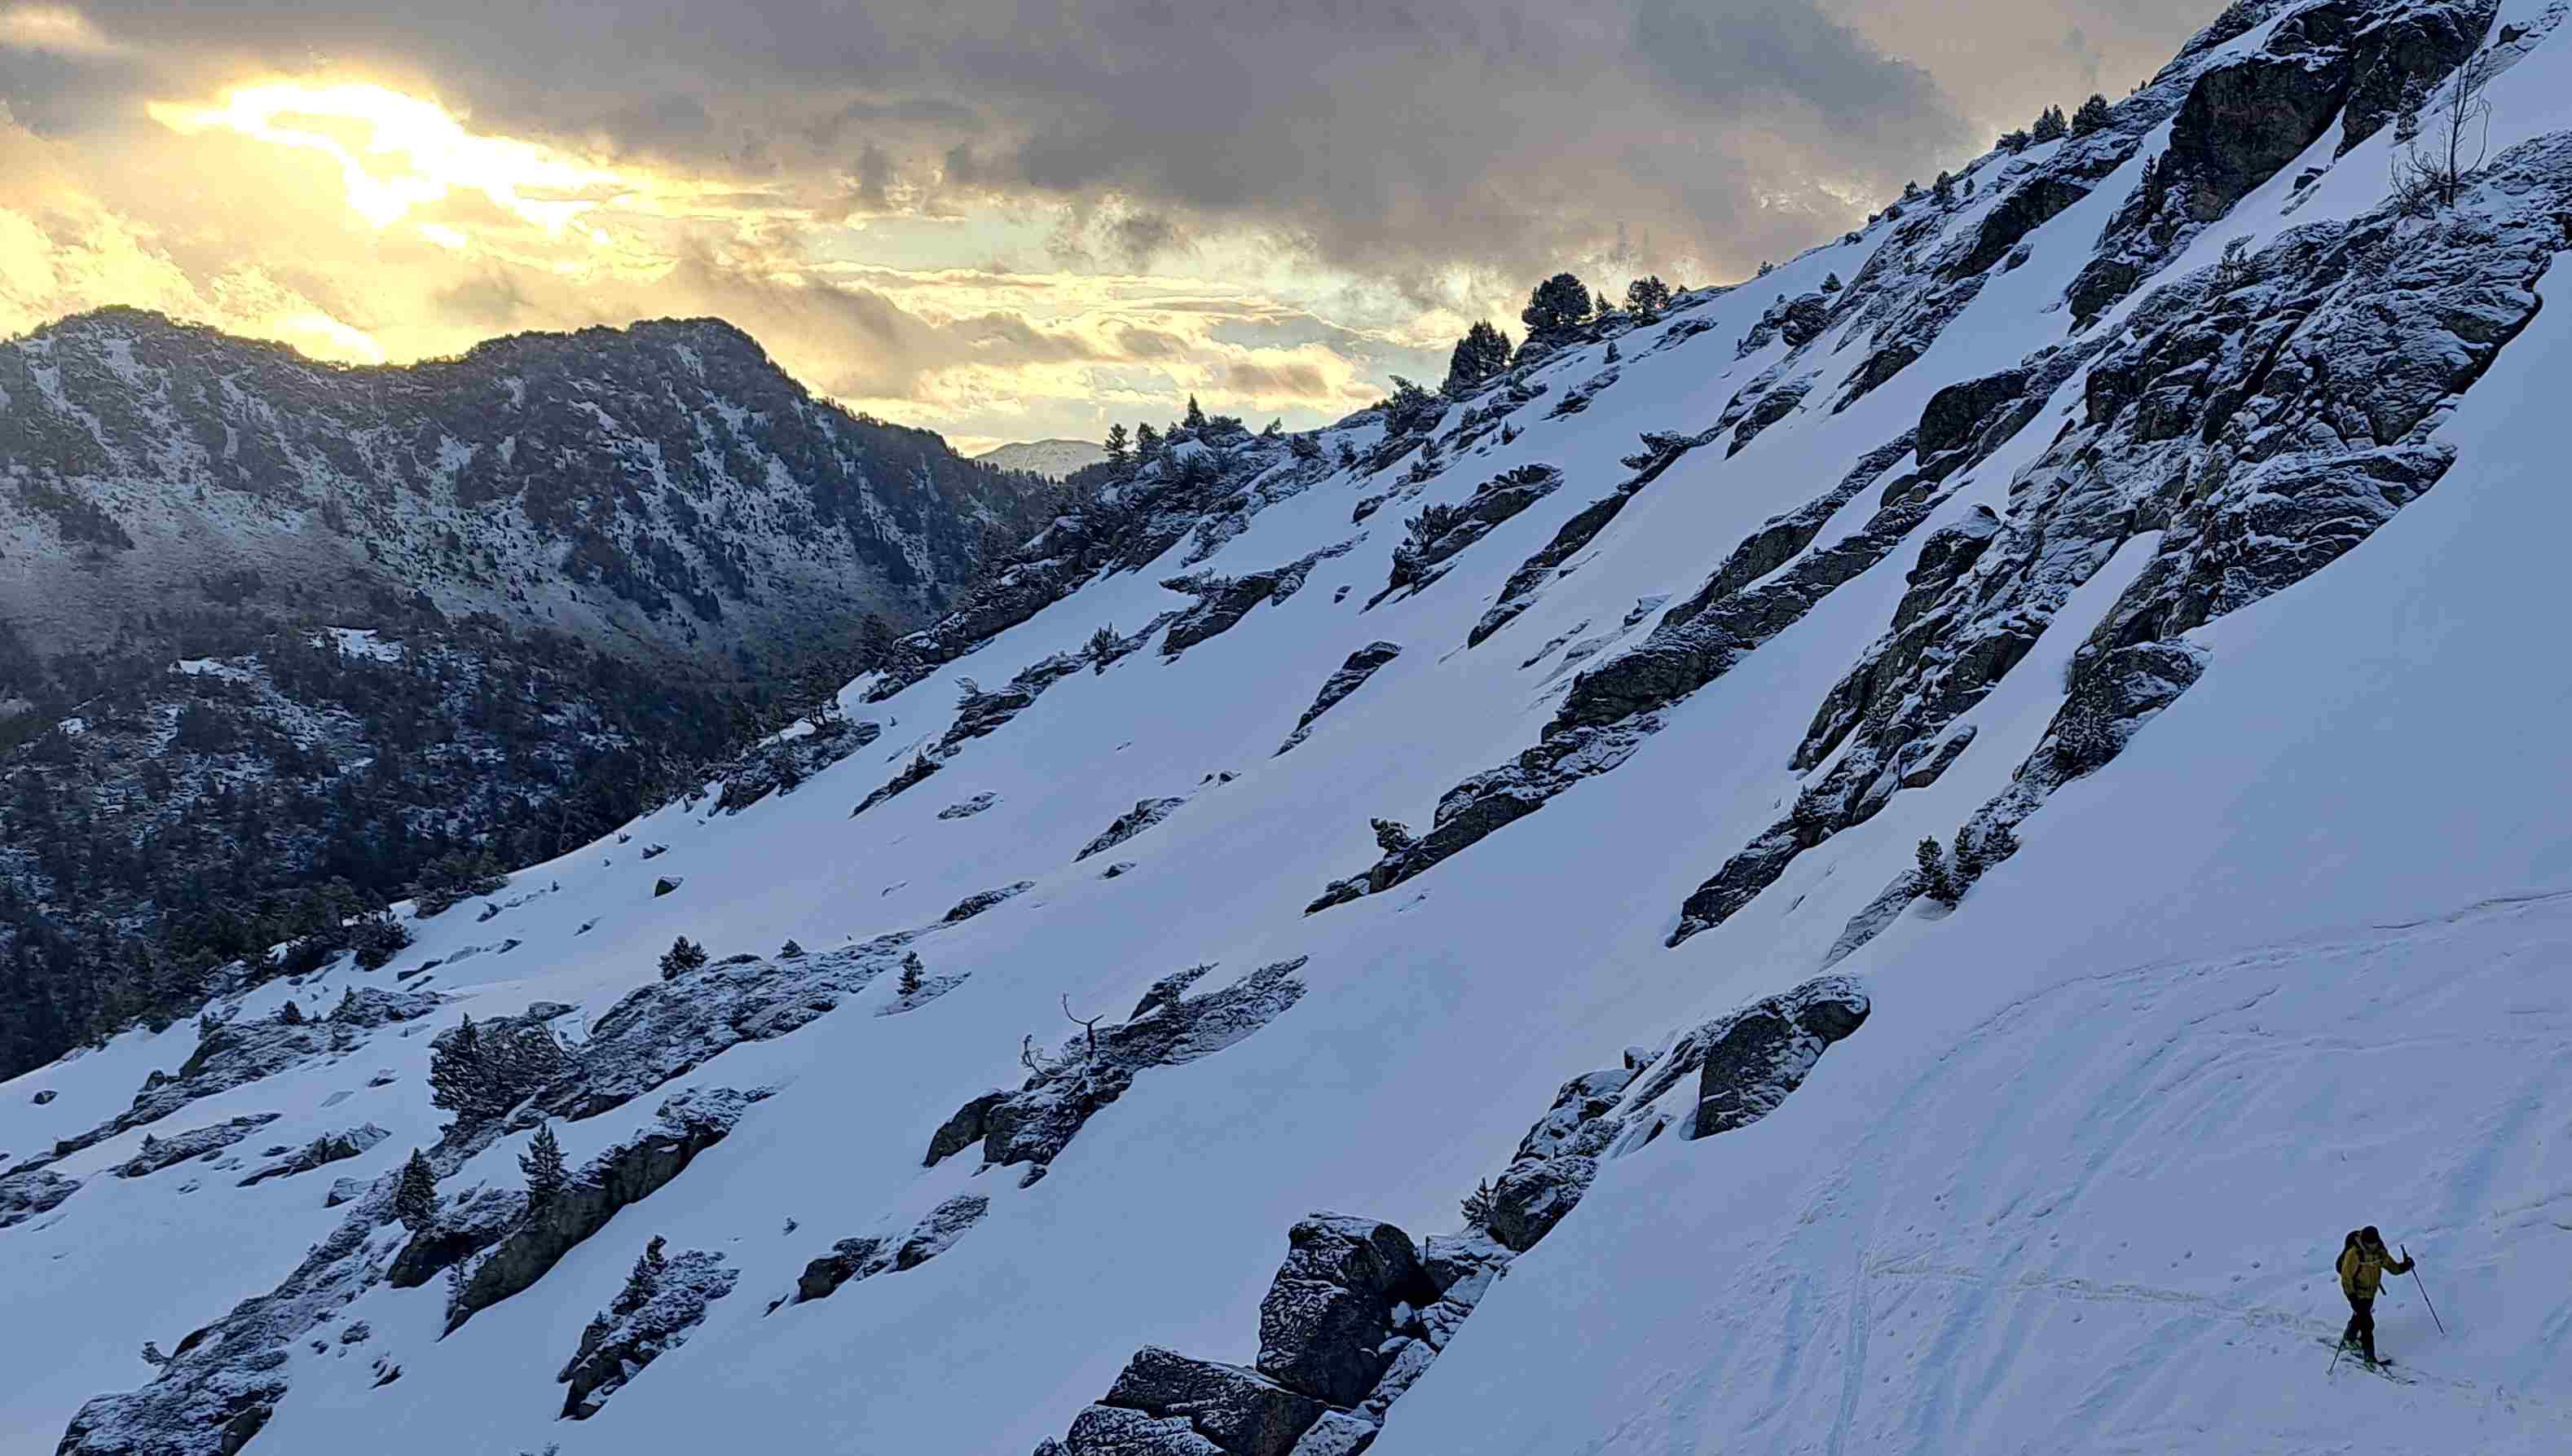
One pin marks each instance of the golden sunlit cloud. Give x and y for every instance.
(407, 152)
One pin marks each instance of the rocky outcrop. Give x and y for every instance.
(30, 1192)
(1330, 1312)
(1146, 814)
(2263, 424)
(626, 1174)
(1440, 532)
(1762, 1054)
(1557, 1160)
(968, 809)
(1612, 708)
(1243, 1412)
(1351, 676)
(159, 1153)
(1034, 1124)
(852, 1259)
(1660, 452)
(232, 1052)
(1223, 601)
(781, 765)
(912, 773)
(327, 1148)
(664, 1029)
(2246, 117)
(1358, 1311)
(650, 1319)
(974, 904)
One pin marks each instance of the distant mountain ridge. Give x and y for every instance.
(656, 491)
(1052, 459)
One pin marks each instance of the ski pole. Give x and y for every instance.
(2335, 1354)
(2424, 1289)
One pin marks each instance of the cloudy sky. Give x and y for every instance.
(1000, 219)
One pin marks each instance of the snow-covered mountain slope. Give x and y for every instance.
(2218, 624)
(1052, 459)
(659, 491)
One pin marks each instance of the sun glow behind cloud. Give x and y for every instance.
(397, 153)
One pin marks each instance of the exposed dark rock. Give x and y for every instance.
(620, 1342)
(1241, 1411)
(2015, 216)
(664, 1029)
(1117, 870)
(235, 1053)
(1107, 1430)
(968, 808)
(1439, 533)
(1766, 1052)
(781, 765)
(1223, 601)
(1771, 407)
(1957, 413)
(626, 1174)
(1557, 1160)
(161, 1153)
(1524, 585)
(45, 1097)
(1167, 990)
(1612, 708)
(1797, 320)
(852, 1259)
(2262, 431)
(667, 884)
(30, 1192)
(1330, 1311)
(919, 767)
(1034, 1124)
(327, 1148)
(1146, 814)
(972, 905)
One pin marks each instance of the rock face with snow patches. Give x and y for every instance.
(1868, 799)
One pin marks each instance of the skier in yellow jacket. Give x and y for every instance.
(2363, 1263)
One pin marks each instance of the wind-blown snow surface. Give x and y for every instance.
(2299, 960)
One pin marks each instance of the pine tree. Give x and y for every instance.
(644, 1279)
(415, 1198)
(1933, 879)
(1117, 448)
(1147, 442)
(1276, 428)
(1944, 189)
(1559, 303)
(2090, 116)
(1612, 356)
(2015, 142)
(459, 1074)
(790, 951)
(683, 957)
(1479, 1206)
(1970, 863)
(290, 1014)
(1196, 418)
(542, 1163)
(1646, 297)
(1483, 353)
(874, 640)
(1833, 284)
(2050, 126)
(912, 970)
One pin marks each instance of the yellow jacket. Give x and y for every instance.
(2362, 1269)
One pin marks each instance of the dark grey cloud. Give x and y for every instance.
(1394, 137)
